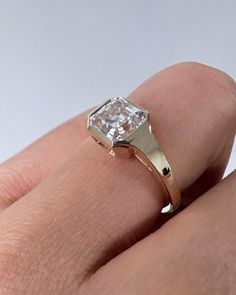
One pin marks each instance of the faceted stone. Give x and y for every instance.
(118, 118)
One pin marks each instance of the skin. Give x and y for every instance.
(75, 220)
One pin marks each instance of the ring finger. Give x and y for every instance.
(95, 206)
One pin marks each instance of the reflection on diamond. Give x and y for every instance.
(118, 118)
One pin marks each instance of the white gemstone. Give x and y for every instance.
(118, 118)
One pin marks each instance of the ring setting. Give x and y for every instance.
(124, 129)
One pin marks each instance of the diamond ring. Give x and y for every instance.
(124, 129)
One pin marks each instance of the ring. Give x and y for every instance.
(124, 129)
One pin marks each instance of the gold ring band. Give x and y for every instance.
(125, 129)
(148, 151)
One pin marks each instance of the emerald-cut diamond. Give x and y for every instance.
(117, 119)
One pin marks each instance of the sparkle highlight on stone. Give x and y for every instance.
(117, 119)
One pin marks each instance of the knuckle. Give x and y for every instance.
(212, 87)
(204, 73)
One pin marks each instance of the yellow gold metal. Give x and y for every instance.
(142, 144)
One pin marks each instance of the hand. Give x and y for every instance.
(75, 220)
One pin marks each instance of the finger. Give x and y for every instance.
(194, 253)
(27, 169)
(23, 172)
(95, 206)
(202, 184)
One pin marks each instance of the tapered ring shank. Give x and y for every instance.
(148, 151)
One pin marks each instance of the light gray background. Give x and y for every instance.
(59, 57)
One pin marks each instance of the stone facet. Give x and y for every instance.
(117, 119)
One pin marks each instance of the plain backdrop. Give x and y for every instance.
(57, 57)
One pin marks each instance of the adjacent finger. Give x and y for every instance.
(95, 206)
(194, 253)
(27, 169)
